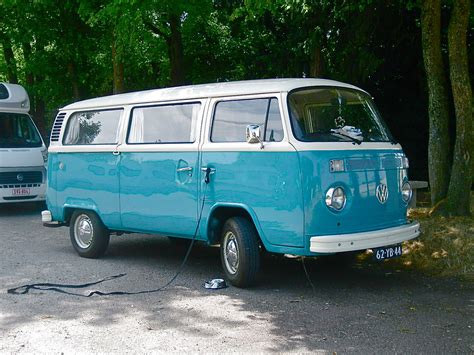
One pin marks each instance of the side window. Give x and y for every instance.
(164, 124)
(93, 127)
(232, 117)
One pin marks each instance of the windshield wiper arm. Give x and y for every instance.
(355, 140)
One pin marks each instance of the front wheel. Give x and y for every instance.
(89, 236)
(240, 254)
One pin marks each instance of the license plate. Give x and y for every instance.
(390, 252)
(23, 191)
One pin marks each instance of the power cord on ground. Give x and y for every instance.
(307, 274)
(24, 289)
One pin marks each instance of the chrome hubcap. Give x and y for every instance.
(231, 253)
(83, 231)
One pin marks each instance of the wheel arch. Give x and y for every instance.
(222, 212)
(69, 210)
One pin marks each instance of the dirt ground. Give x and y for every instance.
(354, 307)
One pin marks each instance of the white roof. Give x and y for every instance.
(17, 99)
(190, 92)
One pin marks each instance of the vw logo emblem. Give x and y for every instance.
(382, 193)
(19, 177)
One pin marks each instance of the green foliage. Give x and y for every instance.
(63, 50)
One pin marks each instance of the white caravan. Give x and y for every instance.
(23, 153)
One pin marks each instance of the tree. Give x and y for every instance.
(458, 202)
(439, 143)
(166, 20)
(450, 184)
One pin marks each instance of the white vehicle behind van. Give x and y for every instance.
(23, 153)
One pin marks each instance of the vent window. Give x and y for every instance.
(58, 123)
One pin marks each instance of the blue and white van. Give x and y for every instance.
(291, 166)
(23, 153)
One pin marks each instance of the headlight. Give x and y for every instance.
(45, 155)
(406, 191)
(405, 162)
(336, 198)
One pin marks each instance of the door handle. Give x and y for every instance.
(116, 153)
(188, 168)
(208, 172)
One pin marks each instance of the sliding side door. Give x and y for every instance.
(159, 169)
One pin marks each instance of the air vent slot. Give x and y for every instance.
(58, 123)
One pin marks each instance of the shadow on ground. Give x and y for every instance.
(356, 306)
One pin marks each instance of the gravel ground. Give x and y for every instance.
(358, 308)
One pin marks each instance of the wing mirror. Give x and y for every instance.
(252, 132)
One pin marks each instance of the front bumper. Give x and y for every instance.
(47, 219)
(365, 240)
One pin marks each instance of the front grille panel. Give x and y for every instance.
(16, 186)
(21, 177)
(18, 198)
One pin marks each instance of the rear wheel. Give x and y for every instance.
(89, 236)
(240, 253)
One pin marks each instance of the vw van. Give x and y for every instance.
(291, 166)
(23, 153)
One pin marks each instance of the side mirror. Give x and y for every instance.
(252, 133)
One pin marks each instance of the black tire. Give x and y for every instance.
(240, 254)
(89, 236)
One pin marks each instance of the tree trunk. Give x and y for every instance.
(10, 61)
(175, 51)
(38, 116)
(30, 79)
(316, 66)
(439, 143)
(459, 196)
(118, 84)
(37, 105)
(71, 69)
(29, 76)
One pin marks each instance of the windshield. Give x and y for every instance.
(335, 114)
(18, 131)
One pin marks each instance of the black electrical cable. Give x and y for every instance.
(307, 274)
(24, 289)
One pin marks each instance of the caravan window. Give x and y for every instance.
(93, 127)
(18, 131)
(164, 124)
(3, 92)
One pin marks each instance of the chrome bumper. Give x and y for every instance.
(359, 241)
(47, 219)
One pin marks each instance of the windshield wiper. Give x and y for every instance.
(355, 140)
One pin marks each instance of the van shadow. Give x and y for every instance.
(336, 303)
(349, 304)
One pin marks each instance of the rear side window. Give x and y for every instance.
(164, 124)
(93, 127)
(3, 92)
(232, 117)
